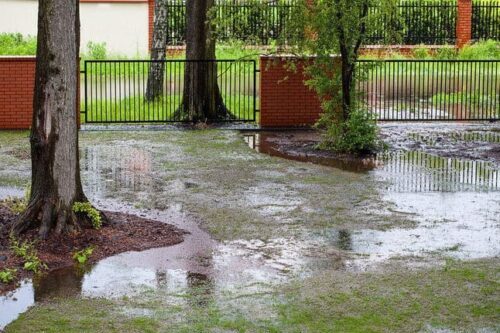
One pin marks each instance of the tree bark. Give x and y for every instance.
(158, 52)
(202, 100)
(349, 56)
(55, 180)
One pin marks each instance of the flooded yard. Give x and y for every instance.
(275, 234)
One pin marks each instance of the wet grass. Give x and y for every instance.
(136, 108)
(460, 296)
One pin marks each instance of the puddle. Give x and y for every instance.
(404, 171)
(455, 204)
(265, 142)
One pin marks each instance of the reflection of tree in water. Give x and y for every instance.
(110, 169)
(344, 240)
(65, 282)
(199, 287)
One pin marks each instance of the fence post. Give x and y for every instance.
(464, 23)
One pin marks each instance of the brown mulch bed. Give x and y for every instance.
(122, 233)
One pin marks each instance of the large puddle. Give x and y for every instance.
(454, 202)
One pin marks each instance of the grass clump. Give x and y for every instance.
(92, 213)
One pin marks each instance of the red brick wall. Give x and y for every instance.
(285, 101)
(17, 81)
(17, 85)
(464, 22)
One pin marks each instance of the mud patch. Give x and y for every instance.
(122, 233)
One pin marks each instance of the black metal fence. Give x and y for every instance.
(431, 89)
(417, 22)
(431, 22)
(115, 90)
(252, 21)
(486, 19)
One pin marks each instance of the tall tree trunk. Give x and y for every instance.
(158, 51)
(201, 100)
(55, 180)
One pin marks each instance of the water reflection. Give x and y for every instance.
(110, 169)
(15, 303)
(404, 171)
(416, 171)
(263, 143)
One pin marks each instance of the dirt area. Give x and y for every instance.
(465, 141)
(122, 233)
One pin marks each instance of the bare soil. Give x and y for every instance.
(122, 233)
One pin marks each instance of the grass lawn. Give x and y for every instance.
(459, 297)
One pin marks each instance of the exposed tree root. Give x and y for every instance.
(48, 217)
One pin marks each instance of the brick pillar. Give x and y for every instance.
(464, 22)
(151, 15)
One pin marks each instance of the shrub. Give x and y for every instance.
(484, 50)
(96, 51)
(17, 44)
(359, 134)
(92, 213)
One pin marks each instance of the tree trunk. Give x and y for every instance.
(158, 52)
(347, 70)
(201, 100)
(55, 180)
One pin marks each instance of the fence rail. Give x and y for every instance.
(420, 21)
(115, 90)
(431, 89)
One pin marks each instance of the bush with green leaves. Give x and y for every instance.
(92, 213)
(96, 51)
(83, 256)
(359, 134)
(7, 275)
(17, 44)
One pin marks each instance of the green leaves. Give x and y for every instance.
(83, 256)
(92, 213)
(7, 275)
(26, 250)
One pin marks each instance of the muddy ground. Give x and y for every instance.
(462, 141)
(121, 233)
(410, 244)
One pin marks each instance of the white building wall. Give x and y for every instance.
(122, 26)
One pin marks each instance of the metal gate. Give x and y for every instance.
(115, 90)
(435, 90)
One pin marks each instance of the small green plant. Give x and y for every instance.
(7, 275)
(26, 250)
(21, 249)
(15, 205)
(34, 264)
(421, 52)
(83, 256)
(92, 213)
(18, 205)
